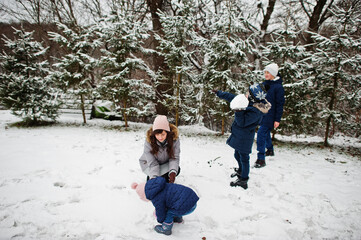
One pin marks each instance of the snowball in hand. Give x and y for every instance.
(239, 102)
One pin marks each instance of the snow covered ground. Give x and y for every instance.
(73, 182)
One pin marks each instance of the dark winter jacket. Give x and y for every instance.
(169, 196)
(275, 96)
(245, 122)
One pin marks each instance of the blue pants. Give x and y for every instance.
(264, 141)
(170, 214)
(243, 163)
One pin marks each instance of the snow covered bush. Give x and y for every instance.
(25, 86)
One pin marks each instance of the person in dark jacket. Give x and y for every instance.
(171, 201)
(247, 117)
(276, 96)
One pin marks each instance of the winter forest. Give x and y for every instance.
(81, 82)
(166, 56)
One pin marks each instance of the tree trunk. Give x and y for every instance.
(82, 106)
(223, 122)
(223, 114)
(164, 86)
(316, 19)
(179, 77)
(267, 17)
(331, 107)
(316, 16)
(125, 112)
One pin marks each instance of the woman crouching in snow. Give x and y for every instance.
(161, 150)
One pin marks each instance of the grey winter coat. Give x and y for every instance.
(161, 163)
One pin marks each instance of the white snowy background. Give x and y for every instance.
(73, 182)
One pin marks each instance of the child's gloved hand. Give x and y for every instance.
(214, 91)
(172, 177)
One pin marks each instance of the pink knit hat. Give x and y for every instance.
(139, 188)
(161, 122)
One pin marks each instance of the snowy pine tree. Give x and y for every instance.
(123, 36)
(336, 77)
(76, 69)
(25, 86)
(226, 63)
(177, 48)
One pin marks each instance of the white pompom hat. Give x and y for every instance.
(239, 102)
(272, 69)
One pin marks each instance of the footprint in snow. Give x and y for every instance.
(95, 170)
(59, 184)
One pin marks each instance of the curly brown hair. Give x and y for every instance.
(155, 146)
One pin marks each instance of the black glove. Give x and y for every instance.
(214, 91)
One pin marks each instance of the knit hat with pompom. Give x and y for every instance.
(257, 92)
(139, 188)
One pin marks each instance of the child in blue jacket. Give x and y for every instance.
(171, 201)
(247, 117)
(276, 96)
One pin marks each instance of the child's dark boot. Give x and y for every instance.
(237, 173)
(240, 182)
(165, 228)
(269, 153)
(177, 219)
(259, 163)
